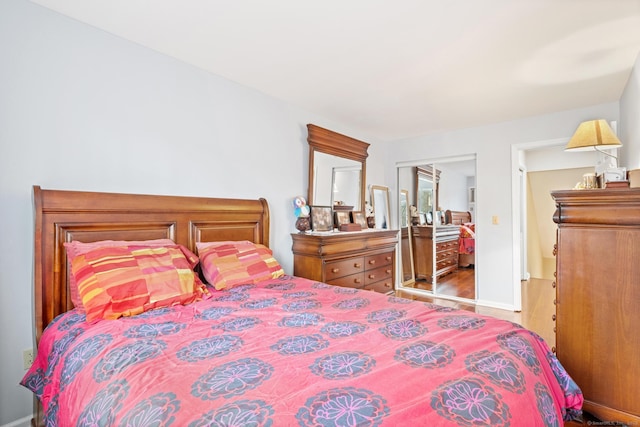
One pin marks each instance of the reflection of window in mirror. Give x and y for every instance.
(336, 179)
(345, 187)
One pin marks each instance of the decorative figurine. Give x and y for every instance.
(368, 209)
(301, 210)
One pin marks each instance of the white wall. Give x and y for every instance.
(492, 145)
(629, 125)
(81, 109)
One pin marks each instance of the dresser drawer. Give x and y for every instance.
(446, 262)
(447, 246)
(335, 269)
(444, 255)
(382, 286)
(374, 261)
(381, 273)
(351, 281)
(348, 259)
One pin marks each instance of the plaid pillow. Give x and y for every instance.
(226, 264)
(115, 281)
(76, 248)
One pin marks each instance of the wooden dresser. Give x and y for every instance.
(598, 298)
(363, 260)
(443, 240)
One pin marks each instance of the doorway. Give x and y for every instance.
(537, 169)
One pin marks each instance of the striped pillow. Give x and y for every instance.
(227, 264)
(75, 248)
(115, 281)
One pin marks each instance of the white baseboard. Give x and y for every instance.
(491, 304)
(22, 422)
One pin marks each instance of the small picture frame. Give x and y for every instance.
(321, 218)
(429, 218)
(359, 217)
(422, 219)
(342, 217)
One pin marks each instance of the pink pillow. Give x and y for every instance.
(227, 264)
(115, 281)
(76, 248)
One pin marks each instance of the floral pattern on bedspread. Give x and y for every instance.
(290, 351)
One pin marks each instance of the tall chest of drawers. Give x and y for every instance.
(362, 260)
(435, 250)
(598, 298)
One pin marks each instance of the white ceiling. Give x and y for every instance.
(394, 69)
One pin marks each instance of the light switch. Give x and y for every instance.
(495, 220)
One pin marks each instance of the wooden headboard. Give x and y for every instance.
(457, 217)
(63, 216)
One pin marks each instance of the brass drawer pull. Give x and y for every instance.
(553, 284)
(357, 265)
(553, 317)
(372, 276)
(356, 281)
(335, 270)
(372, 261)
(388, 258)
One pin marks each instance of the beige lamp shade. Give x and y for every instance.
(593, 135)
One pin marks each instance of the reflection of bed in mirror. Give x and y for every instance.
(467, 241)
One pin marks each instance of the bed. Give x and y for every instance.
(467, 241)
(277, 351)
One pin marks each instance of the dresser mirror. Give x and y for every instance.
(406, 246)
(337, 169)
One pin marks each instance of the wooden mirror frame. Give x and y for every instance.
(333, 143)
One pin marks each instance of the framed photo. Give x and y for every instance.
(429, 218)
(359, 218)
(321, 218)
(342, 217)
(423, 219)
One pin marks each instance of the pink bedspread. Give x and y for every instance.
(467, 242)
(295, 352)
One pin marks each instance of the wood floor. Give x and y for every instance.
(461, 283)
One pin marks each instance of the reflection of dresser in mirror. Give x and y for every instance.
(435, 250)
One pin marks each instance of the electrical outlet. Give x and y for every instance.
(27, 358)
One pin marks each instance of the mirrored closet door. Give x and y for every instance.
(441, 205)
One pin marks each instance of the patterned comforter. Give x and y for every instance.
(291, 351)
